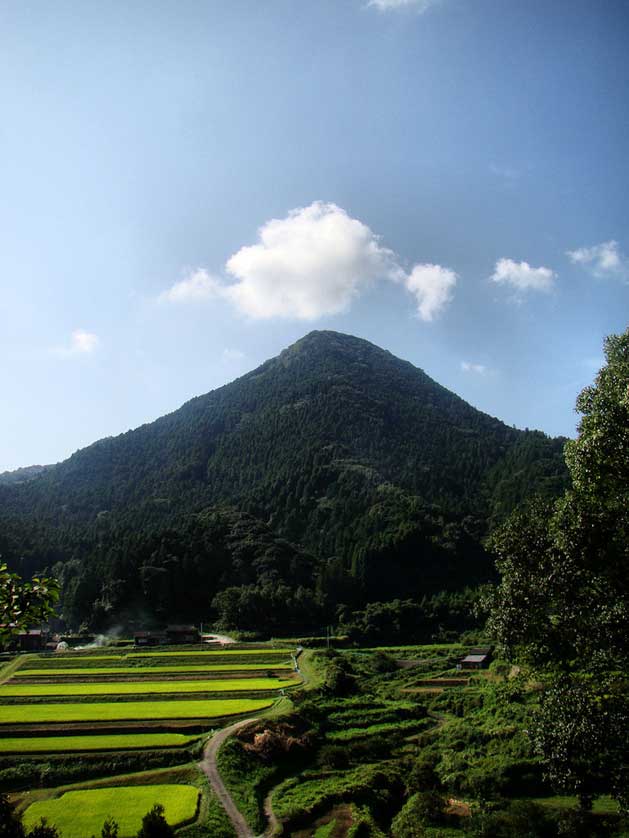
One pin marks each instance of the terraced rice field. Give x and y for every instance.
(265, 654)
(112, 701)
(152, 670)
(62, 744)
(127, 711)
(146, 687)
(80, 813)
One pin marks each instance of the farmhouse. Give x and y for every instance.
(183, 634)
(149, 638)
(32, 640)
(478, 658)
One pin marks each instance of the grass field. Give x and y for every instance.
(78, 814)
(145, 687)
(151, 670)
(128, 710)
(123, 741)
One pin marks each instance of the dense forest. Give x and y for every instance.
(335, 470)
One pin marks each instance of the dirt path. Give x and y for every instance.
(209, 767)
(272, 825)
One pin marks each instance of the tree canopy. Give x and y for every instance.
(23, 603)
(562, 606)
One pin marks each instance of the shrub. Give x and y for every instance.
(155, 825)
(333, 757)
(423, 775)
(421, 810)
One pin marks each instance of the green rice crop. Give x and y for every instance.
(215, 685)
(107, 742)
(128, 710)
(152, 670)
(80, 813)
(222, 653)
(70, 656)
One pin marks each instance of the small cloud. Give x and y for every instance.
(433, 287)
(312, 263)
(198, 285)
(81, 343)
(602, 260)
(84, 342)
(479, 369)
(230, 355)
(420, 6)
(522, 277)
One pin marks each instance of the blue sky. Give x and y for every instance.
(189, 187)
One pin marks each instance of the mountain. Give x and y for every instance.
(21, 475)
(338, 446)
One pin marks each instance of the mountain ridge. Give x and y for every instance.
(350, 454)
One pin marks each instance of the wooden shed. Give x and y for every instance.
(478, 658)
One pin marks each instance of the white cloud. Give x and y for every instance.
(312, 263)
(479, 369)
(433, 286)
(602, 260)
(198, 285)
(84, 342)
(389, 5)
(81, 343)
(522, 277)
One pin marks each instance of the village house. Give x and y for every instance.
(149, 638)
(478, 658)
(183, 634)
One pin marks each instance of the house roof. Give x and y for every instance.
(474, 659)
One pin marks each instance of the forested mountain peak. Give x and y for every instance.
(338, 446)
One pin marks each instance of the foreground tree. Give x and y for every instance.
(562, 607)
(23, 603)
(11, 824)
(155, 825)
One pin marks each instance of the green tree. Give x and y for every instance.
(22, 603)
(43, 829)
(10, 822)
(110, 829)
(562, 606)
(155, 825)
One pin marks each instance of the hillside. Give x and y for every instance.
(337, 445)
(21, 475)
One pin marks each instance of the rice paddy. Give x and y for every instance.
(127, 711)
(80, 813)
(151, 670)
(62, 744)
(145, 687)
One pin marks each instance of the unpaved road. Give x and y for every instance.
(208, 765)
